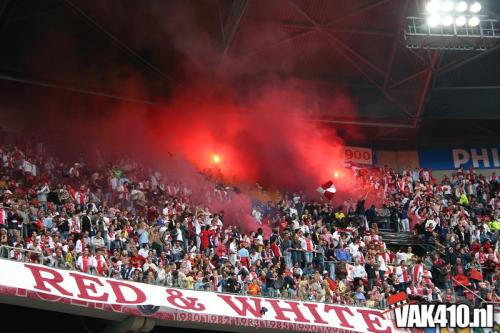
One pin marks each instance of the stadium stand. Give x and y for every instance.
(122, 222)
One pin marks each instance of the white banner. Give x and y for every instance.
(358, 155)
(306, 316)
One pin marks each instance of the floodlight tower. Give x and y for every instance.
(452, 25)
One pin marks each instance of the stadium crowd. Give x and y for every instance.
(124, 222)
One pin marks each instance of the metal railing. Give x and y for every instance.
(25, 255)
(483, 36)
(285, 293)
(496, 304)
(38, 257)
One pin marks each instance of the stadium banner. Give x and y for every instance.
(358, 155)
(454, 158)
(70, 287)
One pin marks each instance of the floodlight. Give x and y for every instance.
(475, 7)
(447, 6)
(433, 6)
(461, 6)
(433, 21)
(447, 21)
(474, 21)
(460, 21)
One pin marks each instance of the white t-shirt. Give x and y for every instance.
(382, 264)
(358, 271)
(400, 256)
(143, 253)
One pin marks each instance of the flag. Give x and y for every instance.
(397, 301)
(327, 190)
(460, 280)
(475, 274)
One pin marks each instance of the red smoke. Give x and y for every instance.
(228, 104)
(267, 138)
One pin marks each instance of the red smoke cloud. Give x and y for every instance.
(228, 103)
(266, 138)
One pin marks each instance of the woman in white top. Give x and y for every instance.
(233, 250)
(358, 273)
(382, 267)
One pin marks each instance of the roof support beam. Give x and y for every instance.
(344, 49)
(451, 88)
(436, 69)
(279, 43)
(221, 22)
(342, 121)
(327, 31)
(386, 132)
(299, 25)
(395, 44)
(46, 84)
(145, 63)
(425, 89)
(304, 13)
(361, 123)
(233, 23)
(409, 78)
(357, 55)
(355, 64)
(418, 56)
(379, 33)
(452, 66)
(359, 11)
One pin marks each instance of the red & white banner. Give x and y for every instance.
(189, 305)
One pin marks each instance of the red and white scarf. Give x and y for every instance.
(85, 263)
(418, 271)
(309, 246)
(406, 277)
(100, 266)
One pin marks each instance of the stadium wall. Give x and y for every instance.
(443, 161)
(398, 160)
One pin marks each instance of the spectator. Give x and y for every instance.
(125, 223)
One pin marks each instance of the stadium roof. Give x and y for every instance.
(402, 95)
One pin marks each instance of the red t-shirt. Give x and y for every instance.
(205, 238)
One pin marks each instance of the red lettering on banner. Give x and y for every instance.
(84, 287)
(117, 290)
(371, 322)
(294, 307)
(187, 303)
(339, 311)
(41, 281)
(312, 308)
(245, 306)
